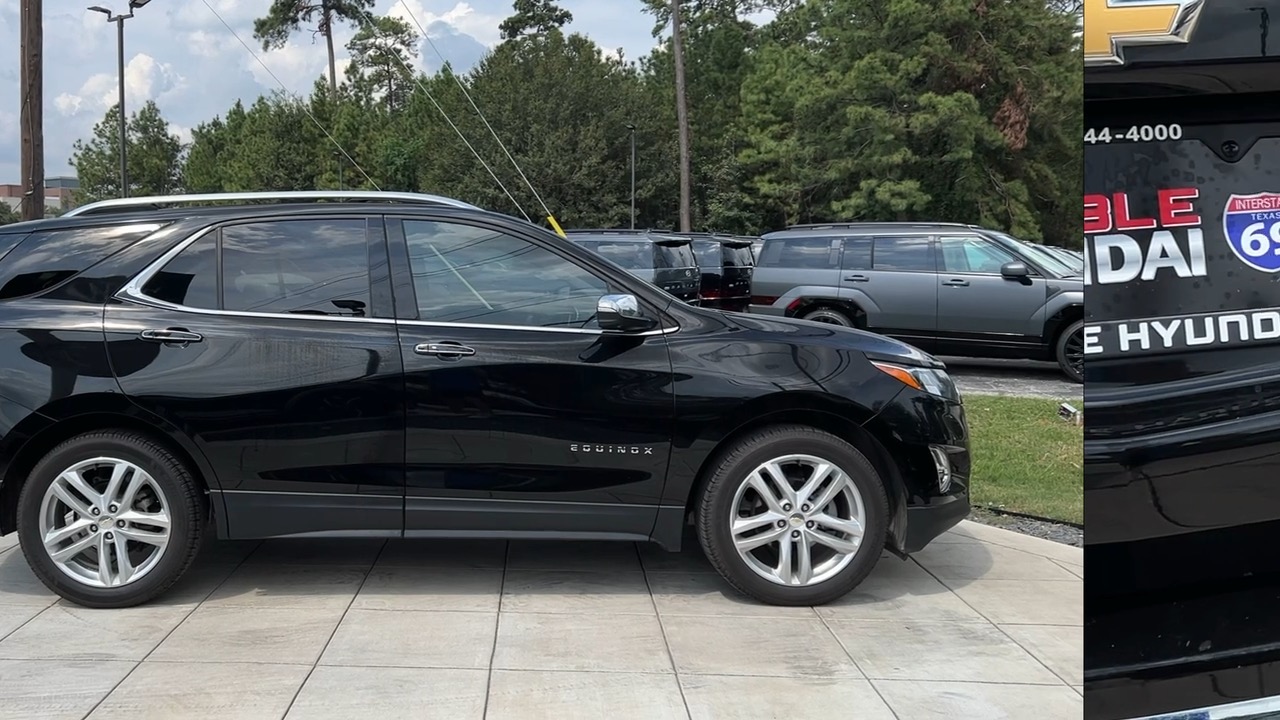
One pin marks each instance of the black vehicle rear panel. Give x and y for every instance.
(1182, 484)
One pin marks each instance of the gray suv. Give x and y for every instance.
(948, 289)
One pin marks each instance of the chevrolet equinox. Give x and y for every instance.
(395, 365)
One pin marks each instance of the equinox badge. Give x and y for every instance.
(611, 449)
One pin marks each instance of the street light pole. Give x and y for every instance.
(632, 128)
(124, 130)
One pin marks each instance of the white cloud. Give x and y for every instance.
(462, 17)
(144, 79)
(183, 133)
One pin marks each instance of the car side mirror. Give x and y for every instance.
(1015, 271)
(621, 313)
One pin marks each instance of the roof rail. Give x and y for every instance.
(158, 201)
(906, 223)
(614, 231)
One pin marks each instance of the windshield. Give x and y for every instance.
(1042, 257)
(674, 254)
(628, 255)
(738, 255)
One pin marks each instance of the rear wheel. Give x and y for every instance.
(110, 519)
(1069, 351)
(829, 316)
(793, 516)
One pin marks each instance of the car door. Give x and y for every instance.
(271, 345)
(980, 310)
(897, 277)
(523, 416)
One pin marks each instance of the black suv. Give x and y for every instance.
(667, 261)
(407, 366)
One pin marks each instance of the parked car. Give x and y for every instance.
(727, 266)
(664, 259)
(392, 365)
(947, 289)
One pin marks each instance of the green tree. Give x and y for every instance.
(8, 214)
(534, 17)
(902, 109)
(286, 17)
(381, 59)
(154, 157)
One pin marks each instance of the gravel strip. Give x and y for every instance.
(1057, 532)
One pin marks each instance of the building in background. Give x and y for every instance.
(57, 193)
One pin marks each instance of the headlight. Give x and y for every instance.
(928, 380)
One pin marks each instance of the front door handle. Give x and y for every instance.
(171, 336)
(446, 349)
(956, 283)
(857, 278)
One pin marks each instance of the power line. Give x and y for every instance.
(303, 105)
(467, 95)
(368, 20)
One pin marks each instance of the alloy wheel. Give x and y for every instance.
(104, 522)
(1073, 352)
(798, 520)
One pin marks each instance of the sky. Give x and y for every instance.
(179, 54)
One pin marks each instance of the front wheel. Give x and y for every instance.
(1070, 351)
(110, 519)
(793, 516)
(828, 316)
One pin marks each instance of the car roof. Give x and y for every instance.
(841, 229)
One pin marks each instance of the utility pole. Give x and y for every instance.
(31, 115)
(682, 119)
(632, 128)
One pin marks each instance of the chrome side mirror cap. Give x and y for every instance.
(621, 313)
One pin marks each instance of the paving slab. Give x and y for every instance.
(576, 592)
(1059, 647)
(723, 697)
(1024, 602)
(56, 689)
(972, 561)
(355, 552)
(919, 700)
(430, 589)
(900, 590)
(203, 691)
(20, 586)
(707, 594)
(969, 652)
(70, 632)
(779, 647)
(588, 642)
(345, 693)
(560, 556)
(13, 617)
(263, 635)
(412, 639)
(444, 553)
(542, 695)
(302, 587)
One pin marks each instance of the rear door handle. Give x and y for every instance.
(444, 349)
(956, 283)
(857, 278)
(171, 336)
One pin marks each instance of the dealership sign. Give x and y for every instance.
(1112, 25)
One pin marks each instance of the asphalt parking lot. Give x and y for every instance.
(983, 624)
(1022, 378)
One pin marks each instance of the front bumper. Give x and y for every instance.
(927, 522)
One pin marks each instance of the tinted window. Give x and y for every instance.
(313, 267)
(970, 254)
(46, 259)
(708, 254)
(675, 255)
(738, 255)
(857, 254)
(626, 255)
(800, 252)
(468, 274)
(903, 253)
(190, 278)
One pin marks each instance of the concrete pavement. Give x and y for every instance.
(985, 623)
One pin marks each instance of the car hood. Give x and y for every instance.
(875, 347)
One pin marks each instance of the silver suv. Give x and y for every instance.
(947, 289)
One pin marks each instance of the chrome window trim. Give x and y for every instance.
(132, 292)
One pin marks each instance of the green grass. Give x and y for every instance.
(1025, 458)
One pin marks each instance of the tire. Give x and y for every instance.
(729, 488)
(1069, 351)
(152, 485)
(829, 316)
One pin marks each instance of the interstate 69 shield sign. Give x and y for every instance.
(1251, 226)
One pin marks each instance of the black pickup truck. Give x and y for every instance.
(1182, 359)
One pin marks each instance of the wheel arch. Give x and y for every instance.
(804, 305)
(61, 421)
(1059, 320)
(840, 418)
